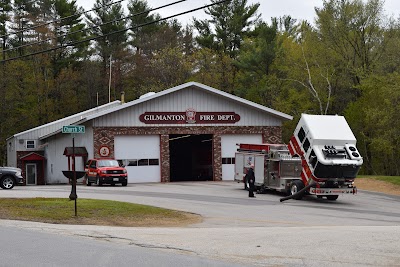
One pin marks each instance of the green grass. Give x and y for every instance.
(91, 211)
(389, 179)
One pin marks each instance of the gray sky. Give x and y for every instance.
(298, 9)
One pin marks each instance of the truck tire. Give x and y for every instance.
(98, 181)
(88, 182)
(7, 182)
(296, 186)
(333, 197)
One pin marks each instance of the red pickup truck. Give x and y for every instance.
(105, 171)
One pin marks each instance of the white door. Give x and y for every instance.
(31, 173)
(228, 149)
(141, 157)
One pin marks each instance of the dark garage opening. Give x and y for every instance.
(190, 157)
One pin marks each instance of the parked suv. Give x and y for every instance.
(105, 171)
(10, 176)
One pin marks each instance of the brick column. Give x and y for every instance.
(217, 157)
(164, 158)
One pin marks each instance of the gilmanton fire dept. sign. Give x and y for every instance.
(189, 117)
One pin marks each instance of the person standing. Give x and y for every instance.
(250, 178)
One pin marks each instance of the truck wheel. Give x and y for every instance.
(296, 186)
(98, 181)
(124, 183)
(333, 197)
(7, 182)
(88, 182)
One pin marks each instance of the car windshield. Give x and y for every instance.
(108, 163)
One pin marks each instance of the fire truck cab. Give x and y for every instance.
(321, 159)
(330, 159)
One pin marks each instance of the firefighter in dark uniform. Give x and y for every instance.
(250, 179)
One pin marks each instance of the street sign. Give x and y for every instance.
(73, 129)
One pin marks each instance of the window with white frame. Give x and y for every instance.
(30, 144)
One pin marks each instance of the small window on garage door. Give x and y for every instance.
(139, 162)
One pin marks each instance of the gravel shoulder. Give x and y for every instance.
(377, 186)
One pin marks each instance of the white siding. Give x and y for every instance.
(228, 149)
(180, 101)
(56, 162)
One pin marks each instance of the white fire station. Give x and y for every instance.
(185, 133)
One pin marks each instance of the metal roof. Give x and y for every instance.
(186, 85)
(84, 117)
(48, 129)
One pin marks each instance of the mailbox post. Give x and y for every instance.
(73, 129)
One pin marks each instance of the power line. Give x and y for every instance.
(59, 20)
(115, 32)
(82, 30)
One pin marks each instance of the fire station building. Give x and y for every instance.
(185, 133)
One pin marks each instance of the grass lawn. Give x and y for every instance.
(92, 212)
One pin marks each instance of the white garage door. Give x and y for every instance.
(141, 155)
(228, 149)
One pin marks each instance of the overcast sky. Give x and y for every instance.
(298, 9)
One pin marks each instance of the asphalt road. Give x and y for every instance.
(360, 230)
(24, 247)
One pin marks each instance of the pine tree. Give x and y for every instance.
(232, 21)
(109, 24)
(68, 29)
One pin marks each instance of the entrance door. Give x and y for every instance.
(31, 173)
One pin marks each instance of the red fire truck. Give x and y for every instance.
(321, 159)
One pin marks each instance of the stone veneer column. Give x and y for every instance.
(103, 137)
(217, 157)
(164, 158)
(272, 135)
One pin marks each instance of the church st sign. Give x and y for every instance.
(189, 117)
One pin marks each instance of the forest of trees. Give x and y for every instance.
(56, 61)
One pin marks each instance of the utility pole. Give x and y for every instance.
(109, 82)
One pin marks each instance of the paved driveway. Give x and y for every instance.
(358, 230)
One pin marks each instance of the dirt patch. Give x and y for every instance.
(377, 186)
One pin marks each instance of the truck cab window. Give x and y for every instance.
(301, 134)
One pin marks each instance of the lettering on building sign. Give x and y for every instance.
(190, 116)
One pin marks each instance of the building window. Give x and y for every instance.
(228, 160)
(132, 162)
(30, 144)
(140, 162)
(143, 162)
(153, 162)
